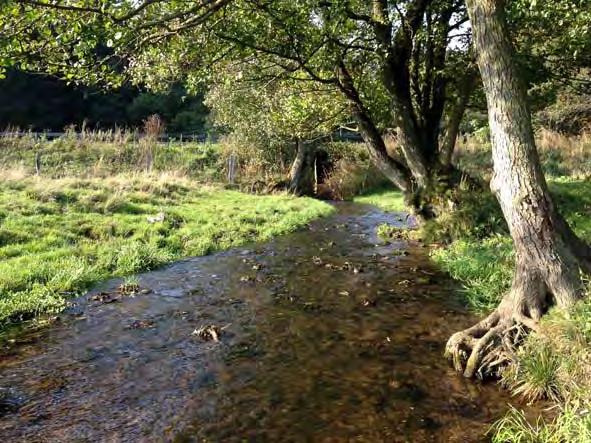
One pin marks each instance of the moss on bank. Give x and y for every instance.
(59, 236)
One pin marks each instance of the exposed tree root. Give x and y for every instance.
(484, 349)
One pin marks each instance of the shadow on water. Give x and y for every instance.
(326, 334)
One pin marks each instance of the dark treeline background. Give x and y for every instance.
(39, 103)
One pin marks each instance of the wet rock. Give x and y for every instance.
(105, 297)
(158, 218)
(129, 289)
(311, 306)
(10, 401)
(141, 324)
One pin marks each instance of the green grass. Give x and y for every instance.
(60, 236)
(385, 199)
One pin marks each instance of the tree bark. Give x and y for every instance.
(454, 120)
(301, 174)
(549, 256)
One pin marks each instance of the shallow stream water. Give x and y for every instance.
(327, 334)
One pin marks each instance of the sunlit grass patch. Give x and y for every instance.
(59, 236)
(485, 267)
(385, 199)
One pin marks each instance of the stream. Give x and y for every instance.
(327, 334)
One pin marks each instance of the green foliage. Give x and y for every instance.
(485, 265)
(515, 428)
(109, 152)
(554, 46)
(155, 44)
(266, 109)
(573, 425)
(40, 102)
(181, 112)
(536, 376)
(351, 171)
(571, 115)
(59, 236)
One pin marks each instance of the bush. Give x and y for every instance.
(571, 115)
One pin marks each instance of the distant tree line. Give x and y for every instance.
(42, 102)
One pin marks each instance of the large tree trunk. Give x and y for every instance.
(548, 254)
(302, 179)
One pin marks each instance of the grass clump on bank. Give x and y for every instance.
(555, 365)
(59, 236)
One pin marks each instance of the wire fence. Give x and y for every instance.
(135, 135)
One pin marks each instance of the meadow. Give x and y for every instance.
(93, 213)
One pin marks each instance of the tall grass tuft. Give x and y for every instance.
(555, 364)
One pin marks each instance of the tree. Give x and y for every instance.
(554, 44)
(386, 58)
(549, 256)
(272, 114)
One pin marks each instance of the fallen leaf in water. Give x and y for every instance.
(207, 333)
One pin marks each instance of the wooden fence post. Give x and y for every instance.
(38, 163)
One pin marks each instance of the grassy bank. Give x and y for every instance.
(477, 251)
(58, 236)
(553, 365)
